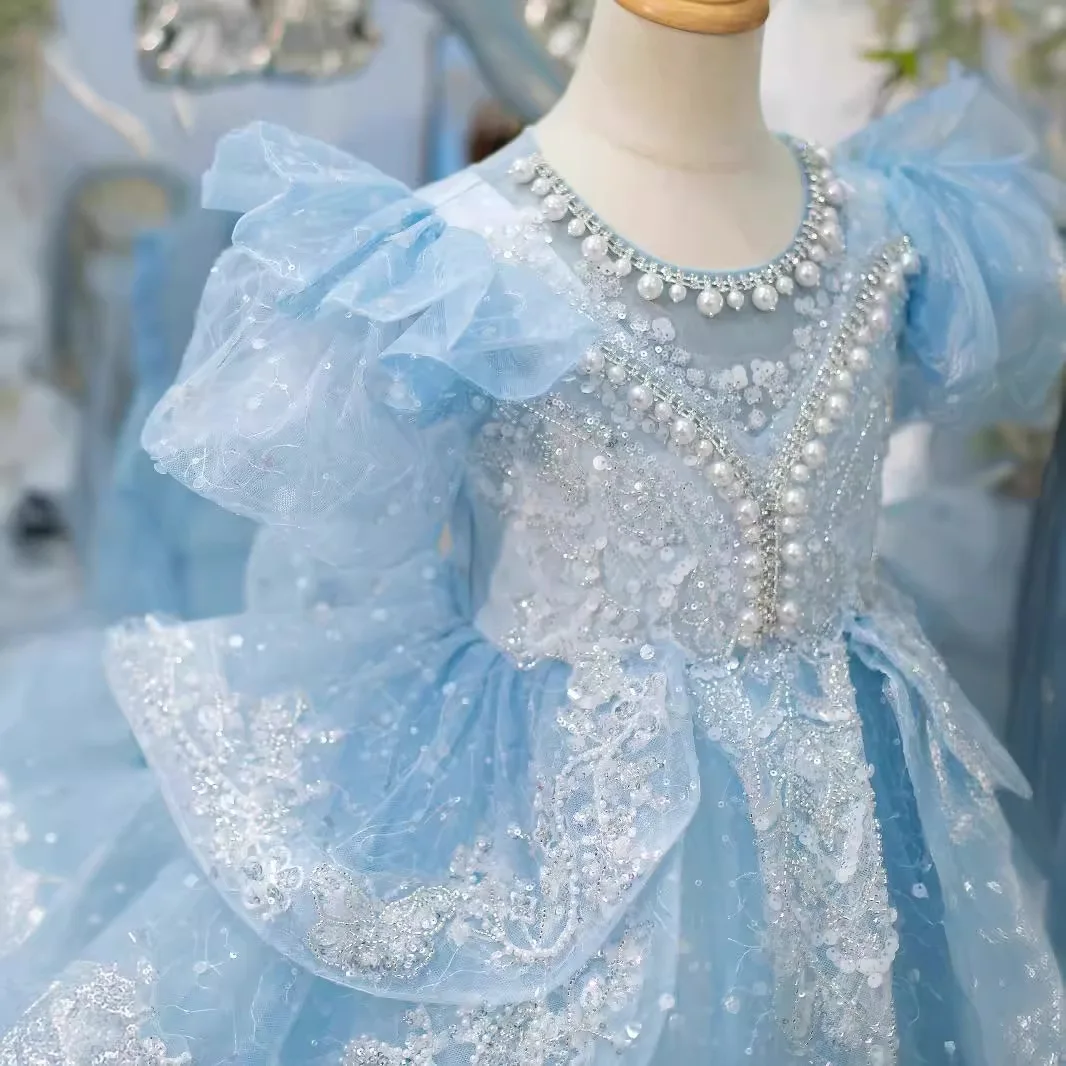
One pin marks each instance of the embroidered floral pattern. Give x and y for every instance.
(564, 1030)
(245, 769)
(95, 1016)
(794, 736)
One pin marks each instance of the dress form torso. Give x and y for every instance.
(643, 149)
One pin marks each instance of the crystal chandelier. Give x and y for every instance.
(205, 42)
(561, 26)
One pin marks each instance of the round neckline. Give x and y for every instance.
(801, 153)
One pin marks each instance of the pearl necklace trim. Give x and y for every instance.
(771, 513)
(820, 237)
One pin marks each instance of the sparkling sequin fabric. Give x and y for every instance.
(570, 722)
(97, 1016)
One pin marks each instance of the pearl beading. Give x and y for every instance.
(820, 237)
(771, 512)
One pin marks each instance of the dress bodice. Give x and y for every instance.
(700, 479)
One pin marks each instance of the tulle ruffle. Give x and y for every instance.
(395, 805)
(956, 766)
(987, 315)
(348, 321)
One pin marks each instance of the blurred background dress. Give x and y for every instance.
(156, 547)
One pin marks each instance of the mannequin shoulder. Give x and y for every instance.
(439, 194)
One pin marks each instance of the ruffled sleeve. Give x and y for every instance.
(985, 332)
(346, 345)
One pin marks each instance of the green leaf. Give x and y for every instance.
(1007, 20)
(905, 62)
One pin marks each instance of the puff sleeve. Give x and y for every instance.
(985, 332)
(344, 348)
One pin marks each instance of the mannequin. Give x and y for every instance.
(698, 137)
(703, 16)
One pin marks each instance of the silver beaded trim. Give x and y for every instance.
(766, 507)
(820, 238)
(883, 281)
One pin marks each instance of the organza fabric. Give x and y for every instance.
(483, 774)
(156, 546)
(964, 172)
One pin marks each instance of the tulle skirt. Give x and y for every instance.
(129, 936)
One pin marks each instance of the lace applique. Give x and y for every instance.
(245, 764)
(20, 911)
(618, 769)
(359, 933)
(595, 1011)
(93, 1018)
(623, 546)
(585, 839)
(793, 734)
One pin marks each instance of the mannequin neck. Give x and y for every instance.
(688, 101)
(662, 133)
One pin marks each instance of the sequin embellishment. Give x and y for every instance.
(243, 773)
(242, 765)
(594, 1010)
(591, 806)
(773, 511)
(95, 1016)
(790, 727)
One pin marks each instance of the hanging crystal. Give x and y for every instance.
(561, 26)
(204, 42)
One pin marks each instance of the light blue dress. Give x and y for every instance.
(157, 546)
(577, 727)
(1036, 725)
